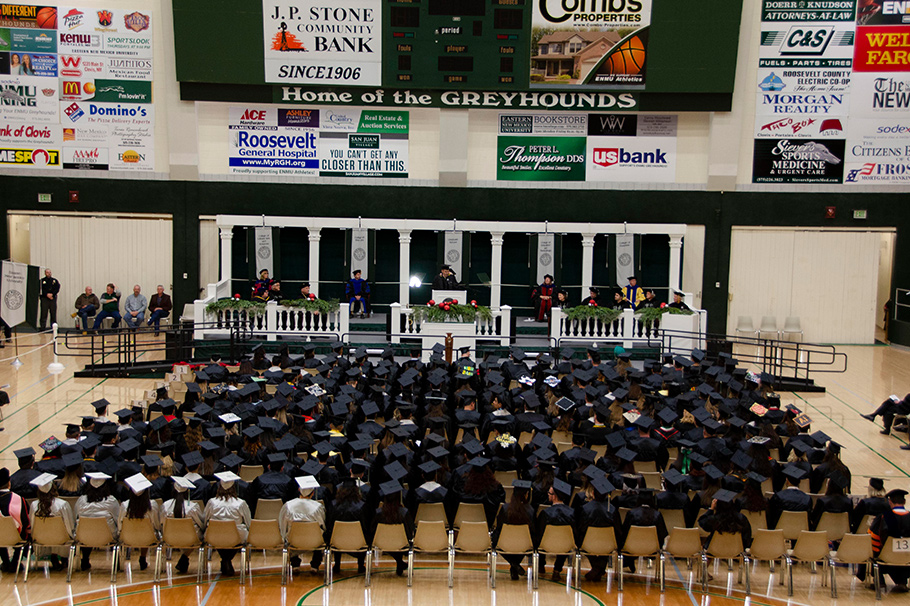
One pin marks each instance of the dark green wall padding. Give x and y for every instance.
(717, 211)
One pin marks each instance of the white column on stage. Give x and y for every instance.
(496, 270)
(404, 266)
(587, 263)
(675, 261)
(314, 234)
(226, 236)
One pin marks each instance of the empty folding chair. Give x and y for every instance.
(770, 545)
(223, 534)
(267, 509)
(768, 326)
(641, 542)
(95, 533)
(744, 325)
(515, 539)
(810, 547)
(685, 543)
(266, 535)
(473, 537)
(853, 549)
(348, 538)
(431, 537)
(792, 327)
(140, 534)
(180, 534)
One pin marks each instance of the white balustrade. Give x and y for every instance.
(277, 321)
(496, 328)
(678, 331)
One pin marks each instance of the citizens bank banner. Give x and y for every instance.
(272, 140)
(309, 42)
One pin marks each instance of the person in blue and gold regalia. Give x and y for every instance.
(543, 296)
(357, 292)
(633, 293)
(262, 287)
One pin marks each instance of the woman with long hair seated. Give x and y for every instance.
(391, 511)
(140, 506)
(180, 507)
(517, 511)
(226, 506)
(49, 505)
(97, 502)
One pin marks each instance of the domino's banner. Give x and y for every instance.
(273, 140)
(592, 45)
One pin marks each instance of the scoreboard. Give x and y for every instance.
(671, 55)
(456, 43)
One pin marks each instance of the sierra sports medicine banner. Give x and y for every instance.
(326, 43)
(76, 85)
(581, 43)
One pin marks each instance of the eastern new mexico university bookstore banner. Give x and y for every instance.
(329, 43)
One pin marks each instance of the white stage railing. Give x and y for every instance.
(277, 321)
(406, 326)
(688, 330)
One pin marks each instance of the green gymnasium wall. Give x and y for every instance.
(717, 211)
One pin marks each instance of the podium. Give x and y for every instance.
(441, 295)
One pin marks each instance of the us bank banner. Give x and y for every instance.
(327, 43)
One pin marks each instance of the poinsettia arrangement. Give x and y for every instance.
(235, 303)
(451, 310)
(313, 305)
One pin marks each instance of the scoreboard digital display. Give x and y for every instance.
(456, 43)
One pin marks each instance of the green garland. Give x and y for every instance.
(322, 306)
(649, 315)
(459, 313)
(252, 308)
(587, 312)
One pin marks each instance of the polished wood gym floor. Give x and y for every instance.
(42, 402)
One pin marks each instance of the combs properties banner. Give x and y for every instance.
(596, 44)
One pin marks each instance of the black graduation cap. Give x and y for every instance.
(277, 457)
(616, 440)
(698, 355)
(800, 446)
(231, 461)
(201, 375)
(208, 447)
(429, 467)
(755, 477)
(312, 467)
(87, 442)
(736, 422)
(473, 447)
(897, 493)
(396, 470)
(123, 413)
(479, 462)
(713, 472)
(252, 432)
(100, 405)
(725, 496)
(129, 445)
(544, 454)
(398, 450)
(522, 484)
(24, 453)
(151, 460)
(563, 488)
(517, 354)
(673, 477)
(839, 479)
(438, 452)
(620, 393)
(877, 483)
(72, 459)
(684, 362)
(389, 488)
(643, 422)
(668, 416)
(192, 458)
(794, 473)
(602, 486)
(626, 455)
(741, 460)
(565, 404)
(820, 438)
(157, 424)
(323, 447)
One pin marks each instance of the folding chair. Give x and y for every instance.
(558, 540)
(266, 535)
(853, 549)
(11, 539)
(683, 542)
(835, 524)
(248, 473)
(308, 536)
(348, 537)
(140, 534)
(393, 537)
(793, 523)
(431, 537)
(598, 541)
(473, 537)
(223, 534)
(888, 557)
(770, 545)
(469, 512)
(641, 543)
(49, 532)
(180, 533)
(810, 547)
(725, 546)
(268, 509)
(515, 539)
(94, 532)
(431, 512)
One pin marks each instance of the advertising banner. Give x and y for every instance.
(323, 43)
(273, 140)
(109, 33)
(521, 158)
(363, 143)
(631, 148)
(798, 161)
(881, 82)
(878, 151)
(543, 124)
(597, 44)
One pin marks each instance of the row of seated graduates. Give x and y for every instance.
(415, 411)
